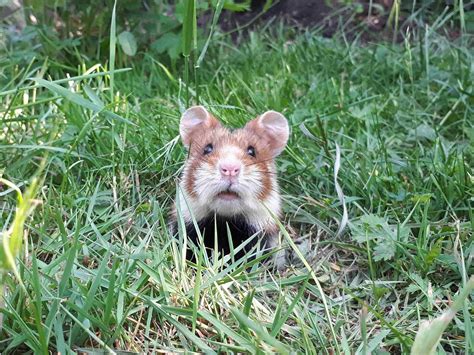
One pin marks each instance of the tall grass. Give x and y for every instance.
(11, 247)
(101, 271)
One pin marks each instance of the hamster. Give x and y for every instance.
(229, 180)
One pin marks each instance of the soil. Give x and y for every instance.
(329, 16)
(366, 19)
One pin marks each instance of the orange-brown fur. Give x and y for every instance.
(220, 136)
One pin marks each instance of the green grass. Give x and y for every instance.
(100, 269)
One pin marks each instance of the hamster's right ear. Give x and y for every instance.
(193, 121)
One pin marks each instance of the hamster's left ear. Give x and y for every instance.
(273, 127)
(194, 122)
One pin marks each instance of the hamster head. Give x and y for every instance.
(231, 172)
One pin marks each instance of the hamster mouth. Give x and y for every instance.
(228, 195)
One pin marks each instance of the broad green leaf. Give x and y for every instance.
(383, 235)
(128, 43)
(166, 42)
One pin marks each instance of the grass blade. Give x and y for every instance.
(215, 18)
(430, 332)
(112, 48)
(79, 100)
(260, 332)
(189, 27)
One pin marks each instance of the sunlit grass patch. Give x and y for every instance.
(102, 270)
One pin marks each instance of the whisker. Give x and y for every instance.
(258, 162)
(265, 172)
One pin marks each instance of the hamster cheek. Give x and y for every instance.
(251, 182)
(206, 181)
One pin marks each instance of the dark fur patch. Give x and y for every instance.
(239, 229)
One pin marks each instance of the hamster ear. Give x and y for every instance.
(273, 127)
(193, 121)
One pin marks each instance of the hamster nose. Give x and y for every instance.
(229, 169)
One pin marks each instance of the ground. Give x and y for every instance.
(366, 18)
(99, 268)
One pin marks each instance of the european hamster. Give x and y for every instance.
(229, 179)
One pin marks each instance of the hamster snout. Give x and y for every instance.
(230, 170)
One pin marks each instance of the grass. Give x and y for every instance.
(100, 269)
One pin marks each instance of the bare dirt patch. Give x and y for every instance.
(350, 17)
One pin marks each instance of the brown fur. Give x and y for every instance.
(217, 135)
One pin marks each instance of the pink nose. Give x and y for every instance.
(229, 169)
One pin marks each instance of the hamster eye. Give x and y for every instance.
(208, 149)
(251, 151)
